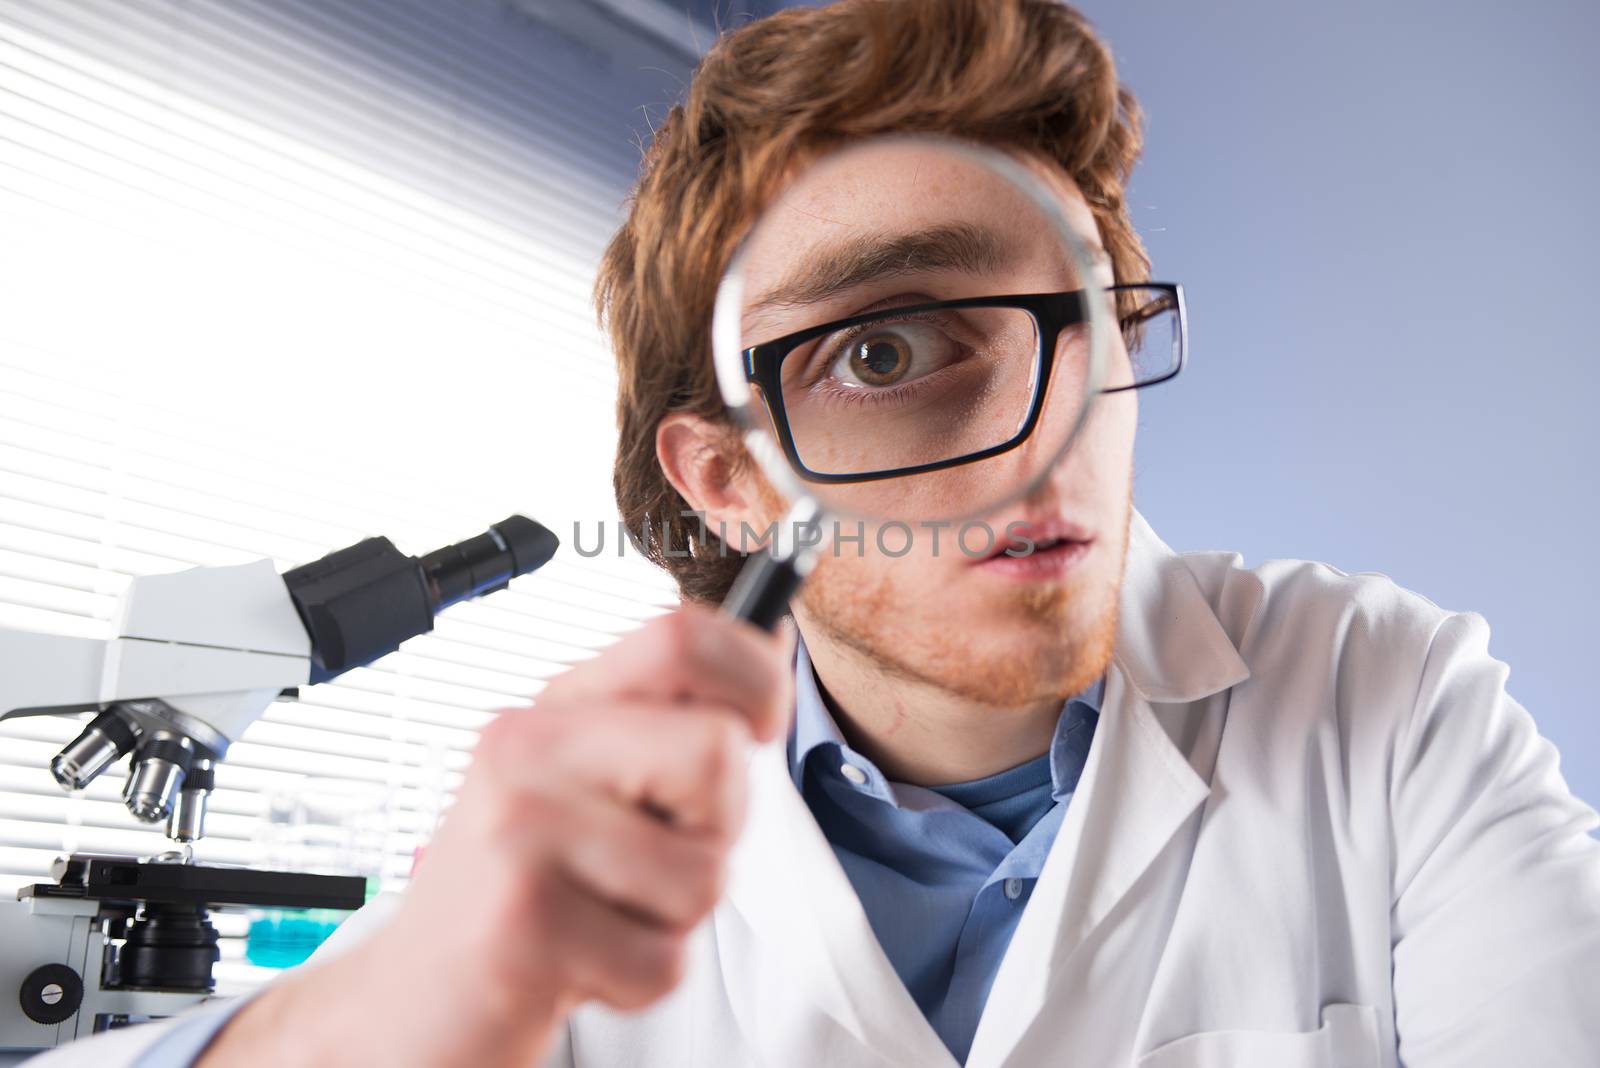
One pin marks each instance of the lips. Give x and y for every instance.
(1025, 537)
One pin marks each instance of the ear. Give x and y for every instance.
(708, 466)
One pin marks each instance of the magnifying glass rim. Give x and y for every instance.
(728, 348)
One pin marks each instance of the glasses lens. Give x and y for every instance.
(1150, 337)
(907, 389)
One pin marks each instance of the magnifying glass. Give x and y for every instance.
(914, 330)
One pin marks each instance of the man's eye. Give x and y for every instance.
(889, 356)
(880, 361)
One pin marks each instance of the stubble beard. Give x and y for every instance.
(870, 618)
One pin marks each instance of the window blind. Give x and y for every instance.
(278, 276)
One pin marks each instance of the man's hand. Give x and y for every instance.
(589, 837)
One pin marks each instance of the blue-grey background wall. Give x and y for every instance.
(1385, 216)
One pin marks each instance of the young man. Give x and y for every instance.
(1119, 807)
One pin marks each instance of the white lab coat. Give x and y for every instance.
(1314, 831)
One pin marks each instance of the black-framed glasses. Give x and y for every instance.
(928, 386)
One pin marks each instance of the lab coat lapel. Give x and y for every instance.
(1171, 651)
(816, 948)
(1136, 791)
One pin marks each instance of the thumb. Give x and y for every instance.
(787, 637)
(790, 635)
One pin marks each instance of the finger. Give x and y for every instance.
(692, 653)
(667, 875)
(688, 762)
(610, 953)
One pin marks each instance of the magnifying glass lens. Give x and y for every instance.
(912, 327)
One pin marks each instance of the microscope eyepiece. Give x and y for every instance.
(361, 602)
(488, 562)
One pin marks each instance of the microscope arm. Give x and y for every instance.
(49, 673)
(226, 688)
(215, 645)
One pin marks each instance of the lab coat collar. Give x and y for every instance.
(1170, 644)
(1137, 789)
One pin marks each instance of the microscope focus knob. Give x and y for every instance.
(51, 994)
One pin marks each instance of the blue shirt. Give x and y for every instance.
(943, 873)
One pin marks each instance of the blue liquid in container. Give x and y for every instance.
(282, 938)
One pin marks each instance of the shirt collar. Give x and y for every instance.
(814, 727)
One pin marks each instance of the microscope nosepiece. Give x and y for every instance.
(102, 742)
(158, 773)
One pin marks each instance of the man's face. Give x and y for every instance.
(942, 606)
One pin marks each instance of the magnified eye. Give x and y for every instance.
(880, 361)
(888, 355)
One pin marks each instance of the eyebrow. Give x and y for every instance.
(858, 260)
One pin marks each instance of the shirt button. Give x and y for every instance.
(1013, 888)
(853, 773)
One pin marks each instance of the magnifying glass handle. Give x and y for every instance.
(761, 593)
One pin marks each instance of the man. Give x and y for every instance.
(1127, 807)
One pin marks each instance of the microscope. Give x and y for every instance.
(196, 657)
